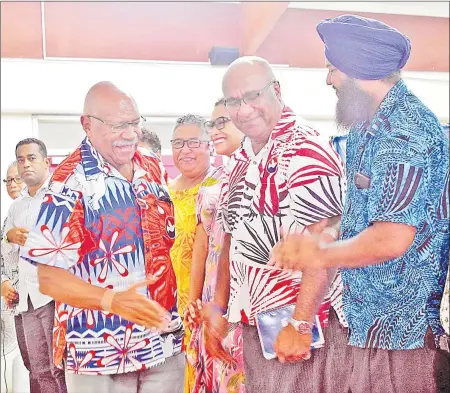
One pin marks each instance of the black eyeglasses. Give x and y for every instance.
(249, 97)
(193, 143)
(118, 128)
(219, 123)
(9, 180)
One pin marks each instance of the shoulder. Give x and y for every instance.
(67, 168)
(152, 165)
(413, 121)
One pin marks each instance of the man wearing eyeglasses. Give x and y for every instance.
(285, 178)
(101, 243)
(10, 275)
(37, 310)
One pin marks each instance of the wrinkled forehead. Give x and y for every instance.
(117, 106)
(242, 80)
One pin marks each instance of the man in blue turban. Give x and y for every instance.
(393, 250)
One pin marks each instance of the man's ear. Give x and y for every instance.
(85, 123)
(277, 89)
(48, 162)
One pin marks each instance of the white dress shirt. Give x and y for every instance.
(23, 213)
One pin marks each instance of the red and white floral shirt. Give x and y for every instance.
(296, 180)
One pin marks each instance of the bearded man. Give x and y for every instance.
(393, 247)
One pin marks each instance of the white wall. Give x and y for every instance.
(13, 128)
(58, 87)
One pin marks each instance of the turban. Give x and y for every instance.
(363, 48)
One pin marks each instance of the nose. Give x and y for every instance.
(244, 109)
(329, 82)
(130, 133)
(185, 148)
(213, 132)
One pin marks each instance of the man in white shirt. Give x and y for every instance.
(37, 309)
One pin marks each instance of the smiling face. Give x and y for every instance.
(257, 116)
(105, 103)
(227, 139)
(191, 161)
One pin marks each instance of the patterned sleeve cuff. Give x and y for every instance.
(5, 278)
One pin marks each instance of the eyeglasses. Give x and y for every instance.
(248, 98)
(219, 123)
(9, 180)
(193, 143)
(118, 128)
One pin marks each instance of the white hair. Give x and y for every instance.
(14, 163)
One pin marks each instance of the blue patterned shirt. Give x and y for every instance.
(405, 154)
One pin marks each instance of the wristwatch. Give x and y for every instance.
(303, 327)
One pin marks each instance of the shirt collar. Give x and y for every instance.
(388, 105)
(282, 132)
(383, 112)
(391, 100)
(93, 163)
(44, 188)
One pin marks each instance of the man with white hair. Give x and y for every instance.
(102, 243)
(285, 178)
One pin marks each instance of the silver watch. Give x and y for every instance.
(303, 327)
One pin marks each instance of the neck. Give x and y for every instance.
(230, 153)
(258, 145)
(32, 190)
(193, 181)
(378, 97)
(127, 171)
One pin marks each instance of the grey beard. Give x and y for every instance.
(353, 106)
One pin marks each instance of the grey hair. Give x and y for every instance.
(151, 140)
(192, 119)
(14, 163)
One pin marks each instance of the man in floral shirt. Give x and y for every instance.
(102, 242)
(285, 178)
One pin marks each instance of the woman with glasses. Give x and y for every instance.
(213, 375)
(191, 152)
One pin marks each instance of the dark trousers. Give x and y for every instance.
(38, 331)
(399, 371)
(22, 342)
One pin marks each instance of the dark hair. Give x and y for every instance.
(29, 141)
(151, 139)
(220, 101)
